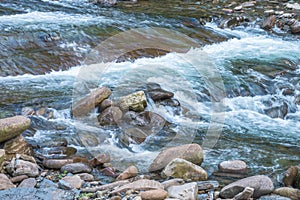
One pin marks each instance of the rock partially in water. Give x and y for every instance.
(269, 22)
(291, 193)
(262, 185)
(76, 168)
(186, 191)
(89, 102)
(277, 109)
(233, 166)
(36, 194)
(138, 126)
(105, 104)
(100, 160)
(180, 168)
(156, 93)
(291, 175)
(56, 163)
(135, 102)
(28, 183)
(189, 152)
(18, 145)
(19, 167)
(154, 195)
(12, 127)
(295, 27)
(130, 172)
(110, 116)
(5, 183)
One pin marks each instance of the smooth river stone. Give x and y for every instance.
(233, 166)
(12, 127)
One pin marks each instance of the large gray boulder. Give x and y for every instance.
(12, 127)
(261, 184)
(189, 152)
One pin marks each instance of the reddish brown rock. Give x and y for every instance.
(154, 195)
(99, 160)
(130, 172)
(5, 183)
(56, 163)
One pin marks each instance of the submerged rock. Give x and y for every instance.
(261, 184)
(12, 127)
(180, 168)
(135, 102)
(189, 152)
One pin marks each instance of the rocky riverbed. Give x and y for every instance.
(55, 168)
(55, 171)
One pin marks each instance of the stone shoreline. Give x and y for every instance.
(176, 172)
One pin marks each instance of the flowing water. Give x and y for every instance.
(44, 45)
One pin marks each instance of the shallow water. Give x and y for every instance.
(43, 57)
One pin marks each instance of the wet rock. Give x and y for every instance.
(5, 183)
(75, 181)
(232, 22)
(245, 194)
(142, 184)
(183, 192)
(110, 116)
(138, 126)
(27, 111)
(18, 145)
(56, 163)
(104, 2)
(105, 104)
(290, 176)
(130, 172)
(295, 27)
(56, 152)
(262, 185)
(154, 195)
(297, 100)
(86, 177)
(294, 6)
(135, 102)
(208, 185)
(173, 104)
(12, 127)
(28, 183)
(269, 22)
(59, 142)
(99, 160)
(19, 167)
(18, 179)
(89, 102)
(172, 182)
(278, 111)
(48, 113)
(33, 193)
(180, 168)
(160, 94)
(76, 168)
(291, 193)
(234, 166)
(190, 152)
